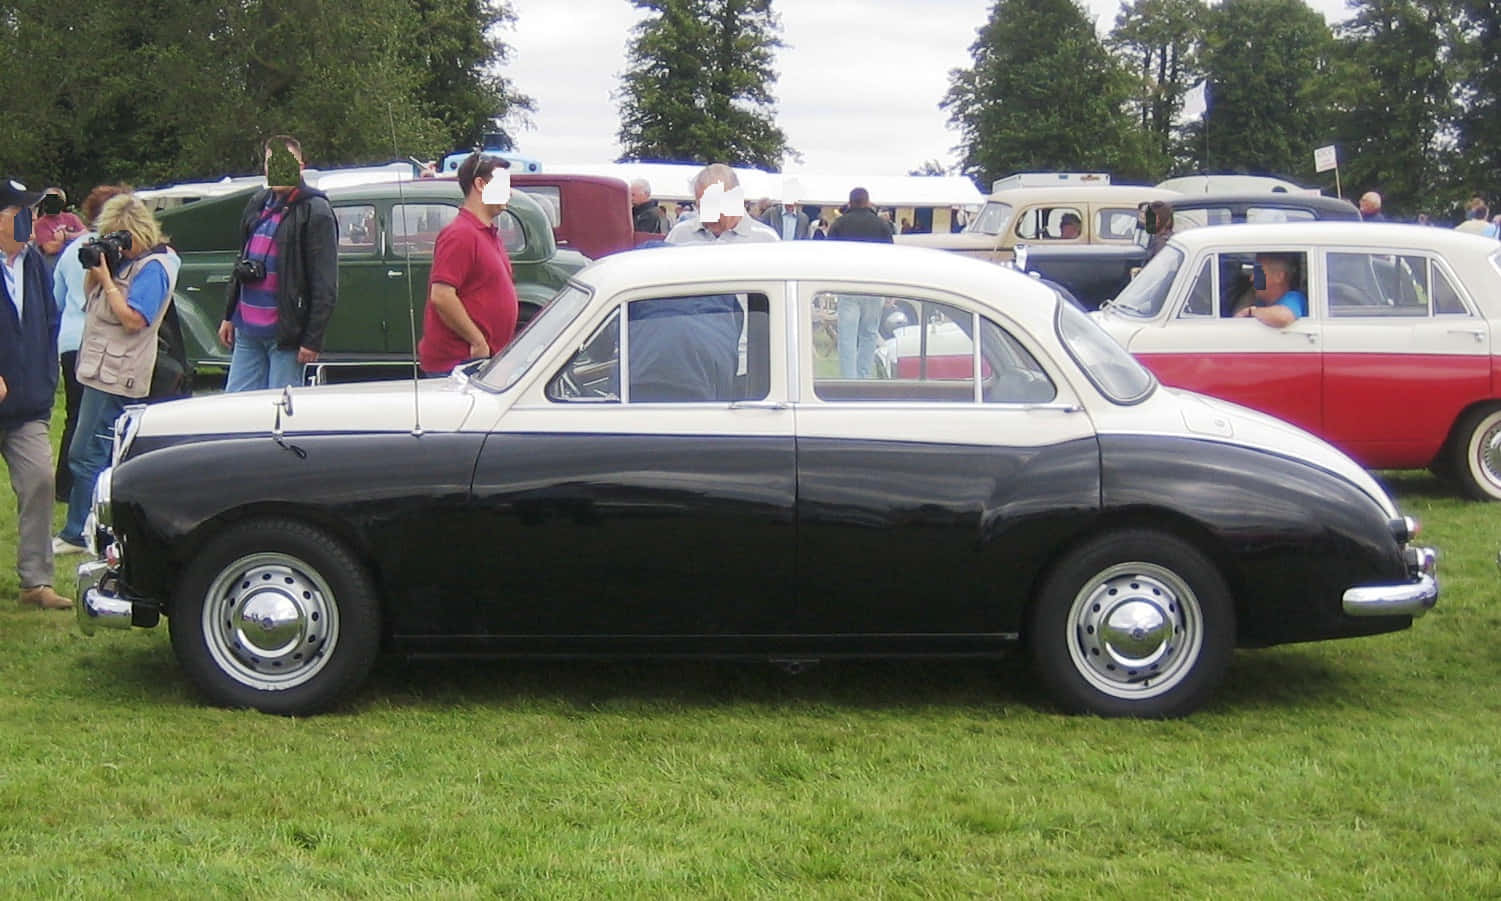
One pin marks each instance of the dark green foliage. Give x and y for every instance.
(1267, 64)
(697, 87)
(177, 89)
(1478, 54)
(1394, 96)
(1043, 94)
(1158, 40)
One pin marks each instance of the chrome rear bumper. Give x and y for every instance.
(1413, 598)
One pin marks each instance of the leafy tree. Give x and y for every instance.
(1393, 91)
(1158, 40)
(1266, 65)
(1043, 94)
(457, 53)
(930, 168)
(1477, 53)
(178, 89)
(698, 84)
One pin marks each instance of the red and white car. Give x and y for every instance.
(1396, 362)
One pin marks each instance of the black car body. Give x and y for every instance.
(1041, 488)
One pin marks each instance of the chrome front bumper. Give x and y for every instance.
(99, 602)
(1413, 598)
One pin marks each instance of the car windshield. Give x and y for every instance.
(1109, 366)
(991, 220)
(508, 366)
(1144, 296)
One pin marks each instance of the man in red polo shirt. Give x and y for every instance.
(471, 297)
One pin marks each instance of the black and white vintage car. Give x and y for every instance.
(673, 460)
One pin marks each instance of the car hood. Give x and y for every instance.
(953, 241)
(444, 405)
(1182, 413)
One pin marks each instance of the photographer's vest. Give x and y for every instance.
(112, 358)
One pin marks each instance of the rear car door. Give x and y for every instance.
(360, 324)
(1405, 352)
(925, 469)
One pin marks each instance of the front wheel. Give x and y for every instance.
(278, 616)
(1476, 449)
(1133, 623)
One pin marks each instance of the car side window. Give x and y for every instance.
(1201, 296)
(1275, 214)
(357, 230)
(415, 227)
(512, 235)
(698, 349)
(1446, 299)
(1115, 224)
(1057, 223)
(870, 348)
(1379, 284)
(592, 375)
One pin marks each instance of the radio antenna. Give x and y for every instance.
(401, 205)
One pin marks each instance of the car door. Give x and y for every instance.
(1404, 353)
(925, 469)
(412, 231)
(644, 490)
(1198, 343)
(359, 325)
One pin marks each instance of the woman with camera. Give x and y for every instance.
(128, 288)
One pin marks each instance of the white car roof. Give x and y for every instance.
(1130, 195)
(1018, 296)
(1331, 234)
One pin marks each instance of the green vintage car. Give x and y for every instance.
(386, 236)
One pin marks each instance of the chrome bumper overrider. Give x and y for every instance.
(100, 604)
(1413, 598)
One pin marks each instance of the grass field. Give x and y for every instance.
(1368, 768)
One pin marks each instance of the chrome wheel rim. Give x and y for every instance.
(270, 621)
(1485, 454)
(1137, 630)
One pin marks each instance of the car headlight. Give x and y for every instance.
(125, 432)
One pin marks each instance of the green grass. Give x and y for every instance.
(1358, 769)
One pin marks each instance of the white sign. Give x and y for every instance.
(1325, 159)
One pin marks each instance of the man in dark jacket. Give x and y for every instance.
(28, 382)
(282, 292)
(859, 314)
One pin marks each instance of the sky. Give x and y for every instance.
(858, 85)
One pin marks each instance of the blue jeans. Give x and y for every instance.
(859, 326)
(257, 363)
(93, 440)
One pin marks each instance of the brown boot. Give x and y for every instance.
(44, 597)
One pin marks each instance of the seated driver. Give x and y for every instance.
(1277, 303)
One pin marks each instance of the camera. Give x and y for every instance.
(248, 270)
(109, 247)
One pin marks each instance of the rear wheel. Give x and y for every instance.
(1133, 623)
(278, 616)
(1476, 454)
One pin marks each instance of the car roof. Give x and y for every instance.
(1018, 296)
(1328, 233)
(1265, 199)
(1128, 194)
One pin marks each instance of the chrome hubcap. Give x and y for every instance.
(1137, 630)
(270, 621)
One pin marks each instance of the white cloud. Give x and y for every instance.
(858, 88)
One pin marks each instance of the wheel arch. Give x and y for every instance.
(185, 548)
(1198, 535)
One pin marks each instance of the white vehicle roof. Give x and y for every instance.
(1020, 297)
(1344, 234)
(1221, 184)
(1126, 195)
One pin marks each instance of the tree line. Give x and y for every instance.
(1406, 89)
(173, 89)
(166, 90)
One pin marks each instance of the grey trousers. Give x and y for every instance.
(27, 450)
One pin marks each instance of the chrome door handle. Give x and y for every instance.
(394, 273)
(1312, 337)
(758, 405)
(1476, 333)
